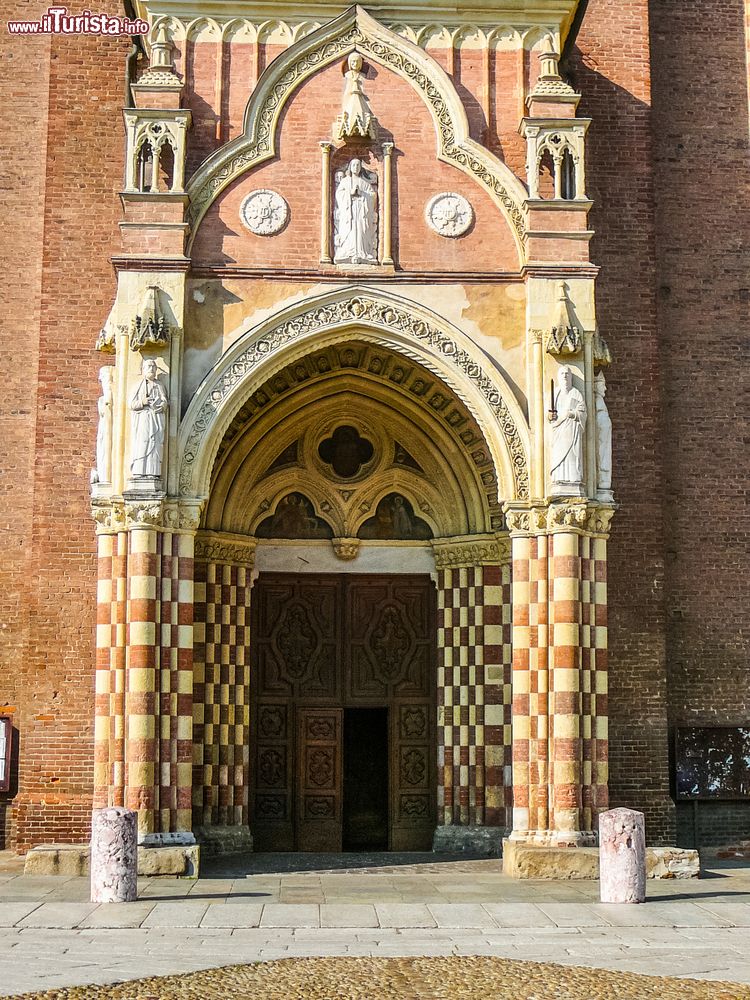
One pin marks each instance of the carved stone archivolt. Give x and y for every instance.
(368, 311)
(357, 31)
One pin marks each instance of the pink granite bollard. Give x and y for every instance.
(622, 856)
(114, 855)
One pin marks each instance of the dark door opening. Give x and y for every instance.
(365, 819)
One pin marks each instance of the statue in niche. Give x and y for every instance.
(603, 440)
(355, 216)
(103, 471)
(395, 518)
(568, 417)
(356, 118)
(294, 517)
(149, 406)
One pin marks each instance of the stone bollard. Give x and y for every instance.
(622, 856)
(114, 855)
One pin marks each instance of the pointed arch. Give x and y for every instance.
(377, 316)
(355, 29)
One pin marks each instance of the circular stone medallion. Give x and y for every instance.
(449, 214)
(264, 212)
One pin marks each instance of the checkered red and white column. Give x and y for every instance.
(473, 688)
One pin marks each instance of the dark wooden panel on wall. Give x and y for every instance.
(321, 643)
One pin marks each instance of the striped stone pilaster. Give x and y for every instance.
(473, 680)
(521, 684)
(142, 665)
(176, 683)
(565, 687)
(559, 671)
(221, 704)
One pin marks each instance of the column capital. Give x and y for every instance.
(471, 550)
(222, 547)
(124, 514)
(581, 516)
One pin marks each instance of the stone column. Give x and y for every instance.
(325, 203)
(387, 203)
(622, 856)
(142, 666)
(114, 856)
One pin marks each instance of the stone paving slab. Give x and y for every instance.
(239, 915)
(183, 914)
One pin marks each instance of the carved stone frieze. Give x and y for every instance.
(383, 315)
(109, 517)
(220, 548)
(572, 515)
(453, 553)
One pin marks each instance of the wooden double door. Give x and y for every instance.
(343, 713)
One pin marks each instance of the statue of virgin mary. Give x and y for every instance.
(355, 216)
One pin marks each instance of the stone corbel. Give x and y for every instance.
(346, 549)
(183, 516)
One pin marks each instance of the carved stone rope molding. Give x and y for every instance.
(382, 315)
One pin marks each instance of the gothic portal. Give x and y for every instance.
(353, 483)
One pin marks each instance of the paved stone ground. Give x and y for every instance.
(259, 908)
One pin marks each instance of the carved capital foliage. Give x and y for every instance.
(476, 550)
(581, 516)
(182, 516)
(383, 315)
(346, 549)
(236, 550)
(109, 517)
(144, 513)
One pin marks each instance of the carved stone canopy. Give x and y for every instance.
(566, 336)
(150, 327)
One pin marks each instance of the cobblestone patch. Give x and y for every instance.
(467, 978)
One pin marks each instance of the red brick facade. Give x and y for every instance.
(666, 87)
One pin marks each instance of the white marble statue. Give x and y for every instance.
(568, 417)
(103, 471)
(356, 114)
(355, 216)
(149, 407)
(603, 440)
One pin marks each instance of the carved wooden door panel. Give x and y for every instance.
(296, 659)
(389, 654)
(319, 778)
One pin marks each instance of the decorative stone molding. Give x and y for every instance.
(471, 550)
(449, 214)
(236, 550)
(573, 515)
(383, 312)
(264, 212)
(346, 549)
(150, 326)
(356, 30)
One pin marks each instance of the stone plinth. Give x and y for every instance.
(73, 859)
(114, 855)
(532, 861)
(486, 840)
(622, 856)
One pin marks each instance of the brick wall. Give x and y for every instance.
(62, 100)
(611, 68)
(702, 173)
